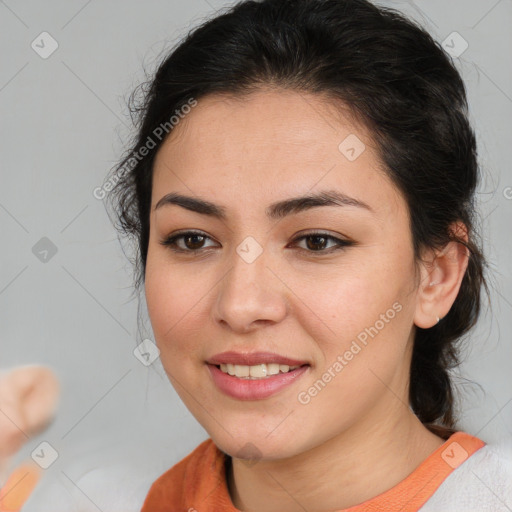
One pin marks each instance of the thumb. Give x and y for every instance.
(28, 399)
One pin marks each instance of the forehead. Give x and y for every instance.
(270, 145)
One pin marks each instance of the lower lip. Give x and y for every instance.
(257, 389)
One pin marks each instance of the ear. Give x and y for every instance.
(442, 272)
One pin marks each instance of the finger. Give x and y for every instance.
(18, 488)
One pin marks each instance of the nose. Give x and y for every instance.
(250, 295)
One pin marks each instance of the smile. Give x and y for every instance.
(259, 371)
(255, 382)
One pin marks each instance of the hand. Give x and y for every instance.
(28, 401)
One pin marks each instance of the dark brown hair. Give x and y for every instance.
(394, 78)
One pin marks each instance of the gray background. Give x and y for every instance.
(63, 125)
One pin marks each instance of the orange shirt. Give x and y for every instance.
(198, 482)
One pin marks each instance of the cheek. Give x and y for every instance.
(350, 296)
(361, 309)
(363, 346)
(174, 301)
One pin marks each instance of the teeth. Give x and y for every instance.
(259, 371)
(242, 371)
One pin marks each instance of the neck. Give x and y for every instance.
(346, 470)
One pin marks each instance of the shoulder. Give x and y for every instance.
(483, 482)
(171, 486)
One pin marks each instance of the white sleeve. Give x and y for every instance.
(483, 483)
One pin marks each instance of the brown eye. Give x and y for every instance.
(316, 242)
(188, 241)
(319, 243)
(193, 242)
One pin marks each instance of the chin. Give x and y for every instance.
(255, 445)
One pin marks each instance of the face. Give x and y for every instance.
(329, 286)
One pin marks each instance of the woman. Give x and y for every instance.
(301, 195)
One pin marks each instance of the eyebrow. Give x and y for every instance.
(276, 210)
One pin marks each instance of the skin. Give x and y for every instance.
(357, 437)
(28, 401)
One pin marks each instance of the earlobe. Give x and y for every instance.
(441, 278)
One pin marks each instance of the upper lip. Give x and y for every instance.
(254, 358)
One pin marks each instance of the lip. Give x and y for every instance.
(251, 359)
(258, 389)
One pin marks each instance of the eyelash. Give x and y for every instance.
(170, 242)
